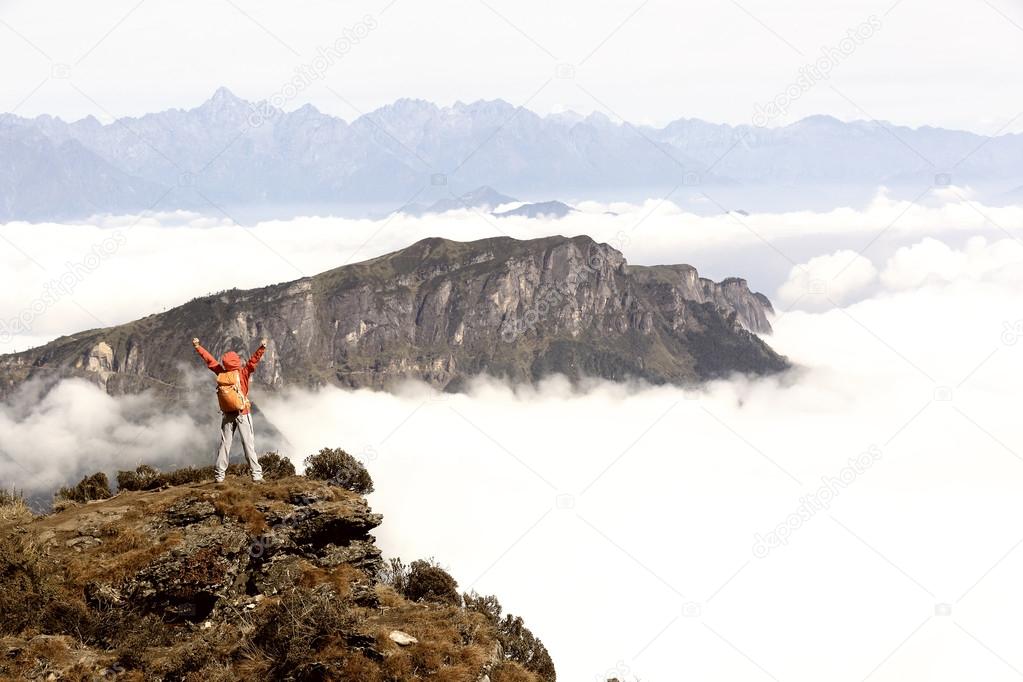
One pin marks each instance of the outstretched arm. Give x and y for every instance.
(256, 357)
(211, 361)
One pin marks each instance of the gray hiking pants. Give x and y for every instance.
(243, 424)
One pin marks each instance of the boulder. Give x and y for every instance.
(402, 638)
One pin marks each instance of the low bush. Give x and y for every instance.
(275, 466)
(28, 584)
(290, 631)
(95, 487)
(187, 475)
(146, 477)
(68, 616)
(523, 647)
(427, 581)
(395, 574)
(487, 606)
(519, 643)
(339, 468)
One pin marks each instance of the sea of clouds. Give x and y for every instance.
(858, 517)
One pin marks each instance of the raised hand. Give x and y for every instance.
(195, 342)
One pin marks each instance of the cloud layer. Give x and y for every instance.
(858, 516)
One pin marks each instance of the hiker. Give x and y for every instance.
(233, 395)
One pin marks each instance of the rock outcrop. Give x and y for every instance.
(442, 312)
(226, 582)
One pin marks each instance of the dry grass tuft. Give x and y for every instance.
(120, 565)
(13, 507)
(341, 578)
(238, 504)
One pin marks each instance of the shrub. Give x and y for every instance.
(290, 631)
(488, 606)
(187, 475)
(68, 616)
(144, 477)
(395, 574)
(275, 466)
(60, 505)
(523, 647)
(428, 581)
(95, 487)
(338, 467)
(519, 643)
(28, 583)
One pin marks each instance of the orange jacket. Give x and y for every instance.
(231, 362)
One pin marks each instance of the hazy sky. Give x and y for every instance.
(953, 63)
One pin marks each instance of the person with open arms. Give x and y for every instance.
(233, 396)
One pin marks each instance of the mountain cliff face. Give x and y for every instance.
(442, 312)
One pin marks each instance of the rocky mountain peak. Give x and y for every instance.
(442, 312)
(224, 107)
(223, 97)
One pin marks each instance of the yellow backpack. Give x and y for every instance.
(229, 392)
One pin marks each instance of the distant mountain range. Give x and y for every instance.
(482, 198)
(442, 312)
(543, 209)
(486, 199)
(229, 152)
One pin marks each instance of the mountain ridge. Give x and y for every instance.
(230, 151)
(442, 312)
(225, 94)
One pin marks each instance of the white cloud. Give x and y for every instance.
(843, 277)
(605, 513)
(50, 438)
(931, 260)
(952, 193)
(826, 281)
